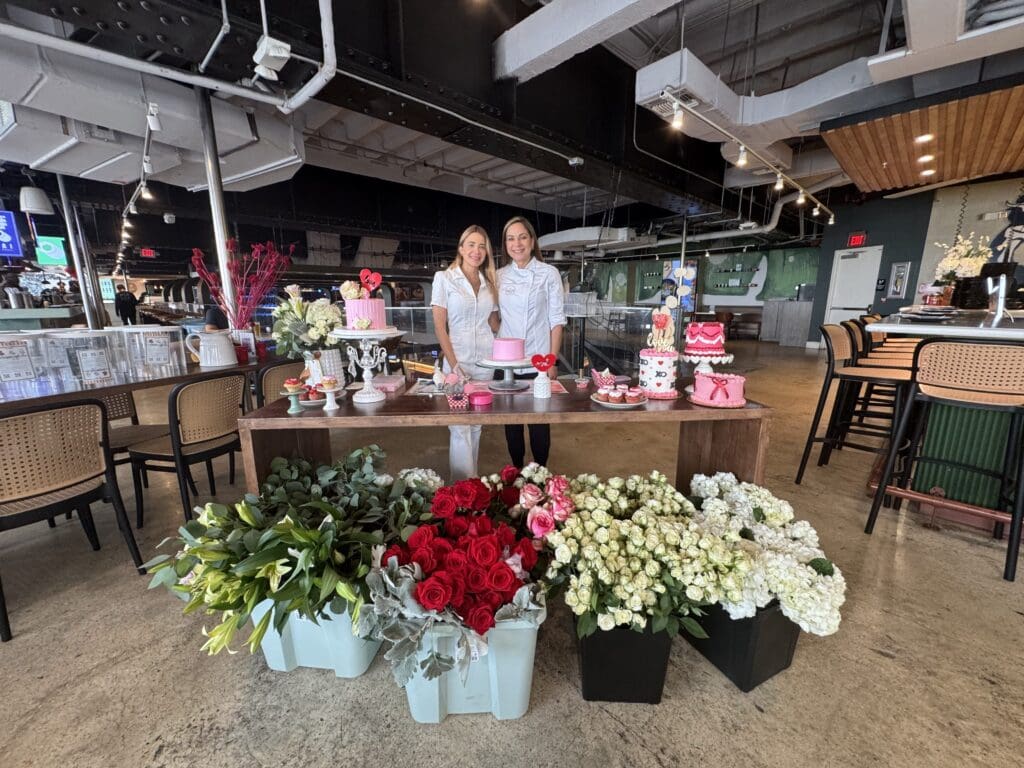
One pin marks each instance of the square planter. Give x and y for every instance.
(623, 665)
(327, 645)
(499, 682)
(748, 651)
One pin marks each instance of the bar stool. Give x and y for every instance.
(57, 459)
(979, 374)
(851, 378)
(203, 419)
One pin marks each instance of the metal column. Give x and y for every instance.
(216, 189)
(85, 269)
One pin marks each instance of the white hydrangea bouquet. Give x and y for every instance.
(304, 326)
(964, 258)
(631, 555)
(783, 559)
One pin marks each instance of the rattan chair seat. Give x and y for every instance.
(868, 373)
(972, 396)
(53, 497)
(123, 437)
(160, 447)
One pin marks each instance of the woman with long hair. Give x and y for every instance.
(533, 308)
(465, 306)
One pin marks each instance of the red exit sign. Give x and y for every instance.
(147, 253)
(856, 239)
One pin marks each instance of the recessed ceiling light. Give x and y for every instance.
(925, 158)
(928, 172)
(924, 138)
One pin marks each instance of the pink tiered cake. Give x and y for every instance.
(365, 314)
(508, 349)
(720, 390)
(705, 340)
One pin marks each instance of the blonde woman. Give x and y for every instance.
(532, 308)
(465, 306)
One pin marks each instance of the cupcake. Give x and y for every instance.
(634, 395)
(616, 396)
(602, 394)
(293, 385)
(622, 387)
(328, 382)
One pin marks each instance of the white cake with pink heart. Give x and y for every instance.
(658, 373)
(508, 350)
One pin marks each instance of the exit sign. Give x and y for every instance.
(147, 253)
(856, 239)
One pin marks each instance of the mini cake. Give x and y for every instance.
(293, 385)
(364, 314)
(328, 382)
(508, 349)
(720, 390)
(602, 394)
(634, 395)
(615, 396)
(705, 339)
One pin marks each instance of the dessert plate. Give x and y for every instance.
(313, 403)
(618, 406)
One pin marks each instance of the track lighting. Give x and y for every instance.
(832, 220)
(801, 198)
(144, 192)
(741, 161)
(132, 208)
(147, 166)
(126, 224)
(816, 211)
(677, 118)
(153, 118)
(779, 186)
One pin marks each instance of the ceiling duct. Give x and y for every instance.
(606, 239)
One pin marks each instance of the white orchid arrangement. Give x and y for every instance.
(785, 560)
(301, 326)
(964, 258)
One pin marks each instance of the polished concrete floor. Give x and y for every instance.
(926, 669)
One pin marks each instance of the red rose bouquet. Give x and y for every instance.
(466, 570)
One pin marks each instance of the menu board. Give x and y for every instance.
(94, 365)
(158, 348)
(15, 361)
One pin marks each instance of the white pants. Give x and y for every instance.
(464, 440)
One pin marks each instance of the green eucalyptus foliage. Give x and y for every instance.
(305, 542)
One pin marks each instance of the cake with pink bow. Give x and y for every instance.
(658, 362)
(718, 390)
(705, 340)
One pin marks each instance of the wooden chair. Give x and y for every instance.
(841, 368)
(968, 373)
(270, 380)
(203, 419)
(57, 459)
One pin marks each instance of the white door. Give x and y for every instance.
(852, 289)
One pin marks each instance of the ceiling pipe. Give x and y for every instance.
(327, 69)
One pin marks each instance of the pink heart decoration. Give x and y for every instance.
(370, 280)
(542, 362)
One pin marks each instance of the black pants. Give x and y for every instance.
(540, 436)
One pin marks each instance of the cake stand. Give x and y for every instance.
(371, 354)
(703, 363)
(508, 383)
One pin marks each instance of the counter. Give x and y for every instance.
(966, 325)
(63, 316)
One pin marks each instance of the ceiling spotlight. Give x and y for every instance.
(169, 218)
(126, 224)
(925, 158)
(153, 117)
(832, 219)
(132, 208)
(707, 254)
(147, 166)
(928, 172)
(924, 138)
(125, 236)
(816, 211)
(778, 182)
(801, 198)
(144, 192)
(741, 160)
(677, 118)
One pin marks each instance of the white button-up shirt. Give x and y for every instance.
(532, 304)
(468, 312)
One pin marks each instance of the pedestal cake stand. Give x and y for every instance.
(370, 355)
(508, 383)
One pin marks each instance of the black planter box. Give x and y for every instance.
(747, 651)
(623, 665)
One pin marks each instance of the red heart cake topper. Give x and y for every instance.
(370, 280)
(542, 362)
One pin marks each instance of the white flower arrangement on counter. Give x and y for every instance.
(964, 258)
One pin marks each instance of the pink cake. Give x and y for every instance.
(707, 339)
(365, 314)
(658, 373)
(508, 349)
(720, 390)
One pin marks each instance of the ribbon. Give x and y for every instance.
(720, 386)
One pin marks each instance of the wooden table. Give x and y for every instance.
(710, 439)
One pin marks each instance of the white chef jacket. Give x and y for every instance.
(532, 304)
(472, 338)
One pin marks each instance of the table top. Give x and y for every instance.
(966, 325)
(401, 410)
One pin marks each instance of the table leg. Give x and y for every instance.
(735, 445)
(261, 446)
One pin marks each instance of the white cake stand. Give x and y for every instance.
(703, 363)
(509, 383)
(370, 355)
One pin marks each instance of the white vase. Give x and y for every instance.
(542, 386)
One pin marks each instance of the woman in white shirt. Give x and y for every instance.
(465, 306)
(532, 308)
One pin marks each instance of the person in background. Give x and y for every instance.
(124, 304)
(465, 308)
(215, 319)
(532, 307)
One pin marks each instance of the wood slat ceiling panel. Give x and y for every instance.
(977, 136)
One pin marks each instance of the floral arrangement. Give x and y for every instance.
(534, 496)
(631, 555)
(252, 278)
(465, 571)
(353, 289)
(301, 326)
(306, 542)
(964, 258)
(785, 560)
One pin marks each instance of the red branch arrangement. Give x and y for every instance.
(252, 276)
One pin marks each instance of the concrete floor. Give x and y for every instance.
(925, 670)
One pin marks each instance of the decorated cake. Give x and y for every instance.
(658, 362)
(362, 311)
(508, 349)
(719, 390)
(705, 340)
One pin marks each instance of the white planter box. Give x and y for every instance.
(327, 645)
(498, 683)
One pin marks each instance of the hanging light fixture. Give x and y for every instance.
(816, 211)
(832, 220)
(677, 118)
(741, 160)
(132, 208)
(144, 192)
(779, 186)
(35, 201)
(801, 198)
